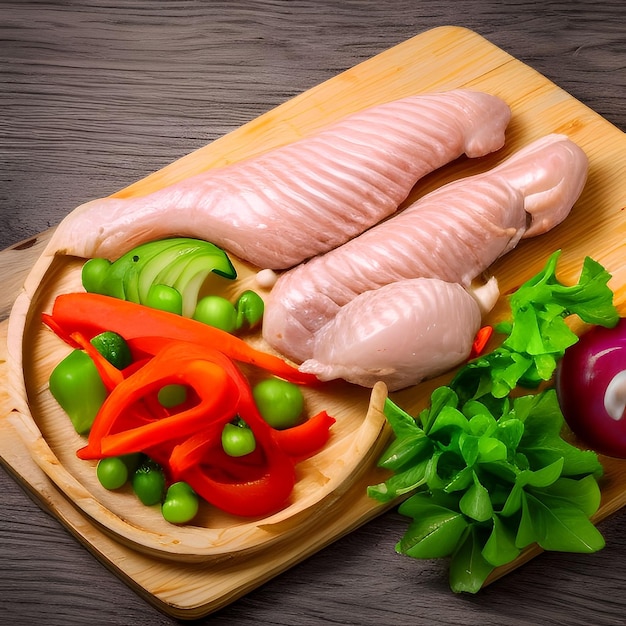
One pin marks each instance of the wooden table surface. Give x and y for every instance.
(95, 95)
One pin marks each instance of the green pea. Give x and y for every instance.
(181, 503)
(149, 482)
(238, 440)
(165, 298)
(216, 311)
(113, 348)
(112, 472)
(280, 402)
(172, 395)
(93, 274)
(250, 308)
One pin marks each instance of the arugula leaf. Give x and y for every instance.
(434, 533)
(476, 503)
(591, 298)
(583, 492)
(500, 548)
(537, 334)
(557, 526)
(468, 567)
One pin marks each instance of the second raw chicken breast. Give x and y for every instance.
(401, 333)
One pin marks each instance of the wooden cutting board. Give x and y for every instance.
(439, 59)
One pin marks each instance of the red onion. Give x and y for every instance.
(591, 387)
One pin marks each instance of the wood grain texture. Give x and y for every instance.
(96, 96)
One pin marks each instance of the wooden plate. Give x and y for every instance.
(241, 554)
(321, 479)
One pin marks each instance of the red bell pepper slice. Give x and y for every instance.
(212, 376)
(480, 341)
(306, 438)
(91, 313)
(265, 490)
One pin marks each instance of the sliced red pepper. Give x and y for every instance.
(306, 438)
(110, 375)
(90, 314)
(266, 492)
(480, 341)
(255, 498)
(213, 377)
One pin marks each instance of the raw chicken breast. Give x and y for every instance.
(401, 334)
(305, 198)
(453, 234)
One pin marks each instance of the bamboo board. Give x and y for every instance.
(440, 59)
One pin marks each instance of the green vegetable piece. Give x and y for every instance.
(172, 395)
(112, 472)
(280, 402)
(543, 477)
(216, 311)
(404, 450)
(542, 443)
(402, 424)
(491, 449)
(132, 461)
(149, 482)
(181, 503)
(181, 263)
(76, 385)
(448, 420)
(250, 308)
(584, 493)
(94, 273)
(113, 348)
(460, 481)
(537, 335)
(468, 447)
(401, 483)
(238, 440)
(164, 298)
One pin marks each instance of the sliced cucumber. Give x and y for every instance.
(169, 258)
(180, 262)
(192, 277)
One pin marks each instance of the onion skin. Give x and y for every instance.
(583, 376)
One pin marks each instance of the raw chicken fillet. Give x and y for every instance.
(305, 198)
(401, 333)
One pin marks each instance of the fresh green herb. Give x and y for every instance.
(489, 474)
(538, 335)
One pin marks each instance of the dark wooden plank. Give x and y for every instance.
(96, 95)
